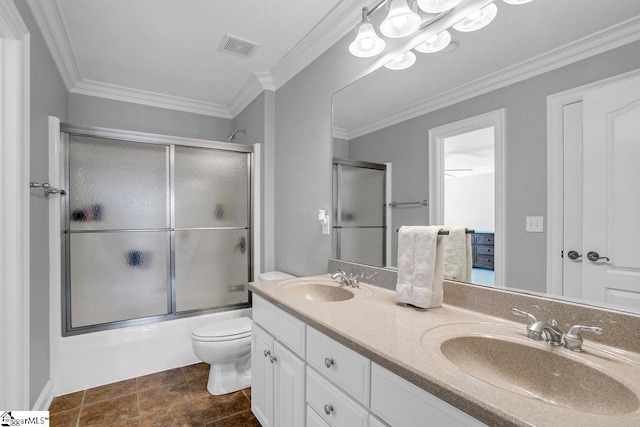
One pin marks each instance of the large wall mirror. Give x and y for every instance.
(492, 132)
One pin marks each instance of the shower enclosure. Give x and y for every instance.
(154, 230)
(359, 230)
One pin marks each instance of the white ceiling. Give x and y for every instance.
(165, 52)
(470, 153)
(522, 41)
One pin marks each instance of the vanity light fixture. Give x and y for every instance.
(477, 20)
(516, 1)
(439, 6)
(367, 42)
(401, 20)
(435, 43)
(401, 62)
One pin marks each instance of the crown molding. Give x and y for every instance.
(340, 133)
(153, 99)
(11, 23)
(335, 25)
(51, 23)
(256, 84)
(594, 44)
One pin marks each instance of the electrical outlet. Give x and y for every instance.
(535, 224)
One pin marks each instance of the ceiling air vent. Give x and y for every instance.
(237, 46)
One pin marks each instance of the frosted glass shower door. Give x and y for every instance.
(212, 228)
(117, 231)
(359, 212)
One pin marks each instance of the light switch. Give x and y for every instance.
(535, 224)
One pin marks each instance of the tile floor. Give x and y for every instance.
(177, 397)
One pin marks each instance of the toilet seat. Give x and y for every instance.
(223, 330)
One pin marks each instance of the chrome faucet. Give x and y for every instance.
(552, 333)
(350, 280)
(573, 340)
(536, 327)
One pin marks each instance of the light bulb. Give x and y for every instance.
(513, 1)
(367, 42)
(401, 62)
(401, 20)
(435, 43)
(479, 19)
(437, 6)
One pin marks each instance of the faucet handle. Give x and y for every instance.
(355, 278)
(573, 340)
(518, 312)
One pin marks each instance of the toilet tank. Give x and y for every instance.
(274, 275)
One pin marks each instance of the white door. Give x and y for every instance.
(289, 388)
(261, 375)
(611, 194)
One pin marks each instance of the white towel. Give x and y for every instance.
(458, 260)
(420, 266)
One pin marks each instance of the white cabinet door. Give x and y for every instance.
(262, 375)
(611, 196)
(289, 388)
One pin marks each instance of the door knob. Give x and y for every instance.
(595, 256)
(574, 255)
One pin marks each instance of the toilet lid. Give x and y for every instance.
(239, 326)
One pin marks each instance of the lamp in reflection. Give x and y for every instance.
(401, 20)
(435, 43)
(401, 62)
(477, 20)
(437, 6)
(367, 42)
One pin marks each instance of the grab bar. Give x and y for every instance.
(424, 202)
(48, 189)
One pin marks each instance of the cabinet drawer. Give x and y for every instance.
(483, 239)
(487, 259)
(346, 368)
(400, 403)
(484, 250)
(315, 420)
(375, 422)
(334, 407)
(283, 326)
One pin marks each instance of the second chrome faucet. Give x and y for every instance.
(553, 336)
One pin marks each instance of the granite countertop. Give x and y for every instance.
(406, 341)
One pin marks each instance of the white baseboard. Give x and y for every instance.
(45, 398)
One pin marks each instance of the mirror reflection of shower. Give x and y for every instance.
(233, 134)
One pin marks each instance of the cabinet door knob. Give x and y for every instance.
(328, 409)
(273, 359)
(267, 353)
(328, 362)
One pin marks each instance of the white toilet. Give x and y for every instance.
(226, 346)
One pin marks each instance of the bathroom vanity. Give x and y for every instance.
(328, 355)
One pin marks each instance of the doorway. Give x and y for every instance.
(466, 173)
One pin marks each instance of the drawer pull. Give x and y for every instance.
(328, 409)
(273, 359)
(267, 353)
(328, 362)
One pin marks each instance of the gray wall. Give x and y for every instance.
(93, 111)
(48, 97)
(303, 154)
(405, 144)
(257, 120)
(340, 148)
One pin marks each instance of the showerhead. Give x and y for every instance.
(232, 135)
